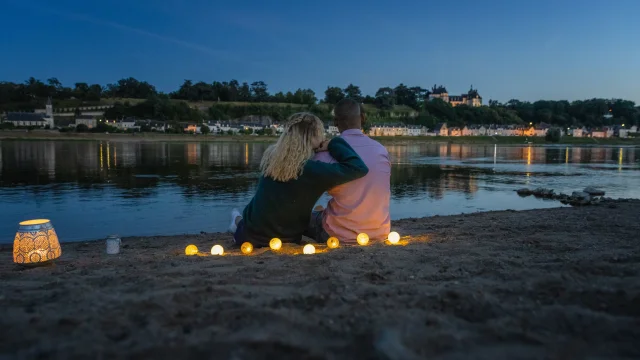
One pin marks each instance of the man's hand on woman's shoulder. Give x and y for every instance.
(324, 146)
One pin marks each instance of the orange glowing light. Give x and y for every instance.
(191, 250)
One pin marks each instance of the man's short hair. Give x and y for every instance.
(347, 114)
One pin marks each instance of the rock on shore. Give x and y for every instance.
(589, 196)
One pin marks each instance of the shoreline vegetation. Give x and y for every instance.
(234, 101)
(549, 283)
(392, 140)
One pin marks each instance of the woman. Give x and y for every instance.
(291, 183)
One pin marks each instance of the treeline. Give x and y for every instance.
(160, 107)
(401, 103)
(386, 98)
(590, 113)
(157, 107)
(33, 92)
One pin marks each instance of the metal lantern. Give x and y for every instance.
(36, 243)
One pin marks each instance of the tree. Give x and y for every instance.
(204, 129)
(306, 97)
(385, 98)
(279, 97)
(244, 92)
(369, 100)
(333, 95)
(94, 93)
(81, 90)
(259, 91)
(553, 135)
(407, 96)
(353, 92)
(82, 128)
(442, 110)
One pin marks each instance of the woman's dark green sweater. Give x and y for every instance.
(283, 209)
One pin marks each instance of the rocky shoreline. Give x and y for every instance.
(589, 196)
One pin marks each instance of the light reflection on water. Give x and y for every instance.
(96, 188)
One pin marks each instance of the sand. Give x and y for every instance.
(555, 284)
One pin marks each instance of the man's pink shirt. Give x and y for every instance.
(360, 206)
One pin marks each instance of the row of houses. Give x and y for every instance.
(215, 126)
(497, 130)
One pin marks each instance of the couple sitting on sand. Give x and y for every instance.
(354, 169)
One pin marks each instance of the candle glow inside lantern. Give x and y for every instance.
(217, 250)
(393, 237)
(191, 250)
(309, 249)
(36, 243)
(362, 239)
(333, 242)
(246, 248)
(275, 244)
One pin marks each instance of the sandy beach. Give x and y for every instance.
(542, 284)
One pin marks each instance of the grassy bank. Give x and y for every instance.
(504, 140)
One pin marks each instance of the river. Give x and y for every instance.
(91, 189)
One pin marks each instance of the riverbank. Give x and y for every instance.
(556, 283)
(391, 140)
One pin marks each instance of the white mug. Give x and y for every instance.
(113, 244)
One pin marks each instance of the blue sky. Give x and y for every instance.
(529, 50)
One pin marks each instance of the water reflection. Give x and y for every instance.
(188, 187)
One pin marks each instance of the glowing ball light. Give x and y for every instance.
(362, 239)
(309, 249)
(333, 242)
(36, 243)
(275, 244)
(217, 250)
(191, 250)
(246, 248)
(393, 237)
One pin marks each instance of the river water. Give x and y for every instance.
(96, 188)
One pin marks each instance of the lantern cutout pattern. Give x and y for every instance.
(36, 242)
(275, 244)
(333, 242)
(362, 239)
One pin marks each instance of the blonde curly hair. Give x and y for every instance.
(285, 160)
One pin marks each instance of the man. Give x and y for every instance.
(360, 206)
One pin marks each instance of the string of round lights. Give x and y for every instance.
(276, 244)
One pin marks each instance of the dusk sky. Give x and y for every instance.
(529, 50)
